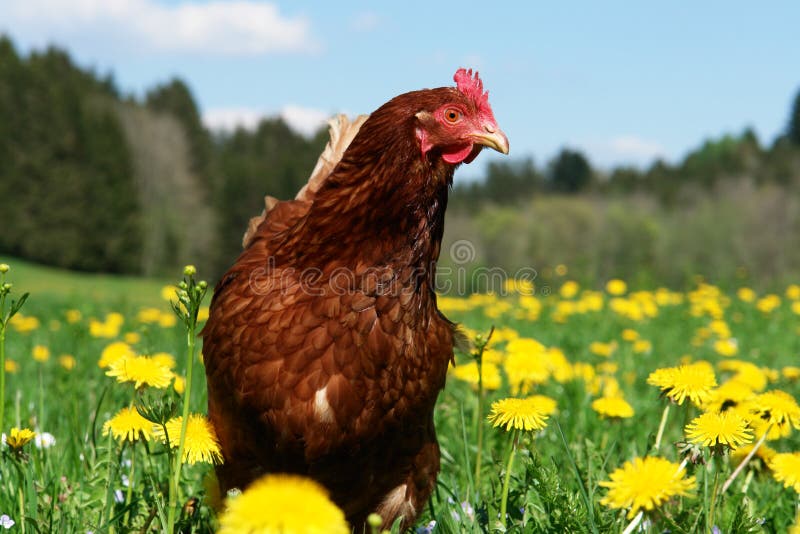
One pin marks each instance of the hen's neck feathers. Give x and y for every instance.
(383, 203)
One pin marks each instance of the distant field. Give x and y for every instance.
(573, 346)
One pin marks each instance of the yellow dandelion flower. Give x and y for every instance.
(795, 529)
(113, 352)
(127, 424)
(73, 316)
(733, 395)
(793, 292)
(169, 293)
(726, 347)
(630, 335)
(612, 407)
(746, 294)
(283, 504)
(41, 353)
(522, 414)
(142, 371)
(468, 373)
(776, 410)
(569, 289)
(148, 315)
(616, 287)
(164, 358)
(561, 270)
(713, 429)
(642, 346)
(201, 443)
(791, 372)
(764, 453)
(11, 367)
(167, 320)
(602, 349)
(646, 483)
(786, 468)
(694, 381)
(203, 313)
(768, 303)
(19, 437)
(132, 337)
(67, 361)
(179, 384)
(746, 373)
(524, 370)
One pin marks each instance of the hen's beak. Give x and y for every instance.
(493, 137)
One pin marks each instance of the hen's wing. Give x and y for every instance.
(342, 132)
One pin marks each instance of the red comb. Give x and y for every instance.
(472, 87)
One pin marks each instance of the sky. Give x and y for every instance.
(625, 82)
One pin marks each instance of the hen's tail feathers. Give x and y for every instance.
(342, 131)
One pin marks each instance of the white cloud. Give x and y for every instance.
(305, 121)
(624, 150)
(366, 22)
(240, 27)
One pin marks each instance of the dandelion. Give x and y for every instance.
(602, 349)
(630, 335)
(201, 443)
(775, 411)
(142, 371)
(616, 287)
(132, 337)
(717, 429)
(694, 381)
(490, 374)
(733, 395)
(790, 372)
(283, 504)
(73, 316)
(18, 438)
(726, 347)
(569, 289)
(41, 353)
(11, 367)
(646, 484)
(179, 384)
(521, 414)
(786, 468)
(113, 352)
(128, 425)
(67, 361)
(746, 294)
(642, 346)
(524, 370)
(615, 407)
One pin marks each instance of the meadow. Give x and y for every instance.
(604, 436)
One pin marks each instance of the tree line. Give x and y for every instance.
(97, 180)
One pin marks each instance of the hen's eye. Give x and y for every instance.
(452, 115)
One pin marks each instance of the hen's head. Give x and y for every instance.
(460, 122)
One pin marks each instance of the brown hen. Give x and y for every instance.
(324, 349)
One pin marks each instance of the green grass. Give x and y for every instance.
(554, 483)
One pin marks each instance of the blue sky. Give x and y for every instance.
(623, 81)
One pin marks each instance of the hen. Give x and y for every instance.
(324, 349)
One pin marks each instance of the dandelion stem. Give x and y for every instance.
(481, 422)
(634, 523)
(21, 508)
(187, 395)
(2, 371)
(661, 427)
(130, 484)
(507, 478)
(713, 507)
(744, 462)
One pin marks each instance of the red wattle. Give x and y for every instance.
(457, 154)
